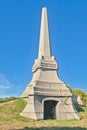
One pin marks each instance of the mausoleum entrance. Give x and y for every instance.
(50, 109)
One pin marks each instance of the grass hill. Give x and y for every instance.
(11, 120)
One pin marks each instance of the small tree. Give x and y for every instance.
(82, 94)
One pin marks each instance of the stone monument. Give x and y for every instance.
(46, 95)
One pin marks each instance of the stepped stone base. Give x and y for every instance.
(37, 109)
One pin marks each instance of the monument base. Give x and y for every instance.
(54, 103)
(38, 108)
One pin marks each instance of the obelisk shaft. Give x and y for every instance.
(44, 43)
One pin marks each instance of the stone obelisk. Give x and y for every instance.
(46, 95)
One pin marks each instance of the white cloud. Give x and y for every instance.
(5, 83)
(7, 88)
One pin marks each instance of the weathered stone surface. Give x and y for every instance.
(46, 95)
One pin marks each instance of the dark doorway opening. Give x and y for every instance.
(50, 109)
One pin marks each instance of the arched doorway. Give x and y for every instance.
(50, 109)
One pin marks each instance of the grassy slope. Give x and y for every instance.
(10, 119)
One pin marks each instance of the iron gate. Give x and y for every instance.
(50, 109)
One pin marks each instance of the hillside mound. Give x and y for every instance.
(11, 120)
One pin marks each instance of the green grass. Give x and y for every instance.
(10, 110)
(10, 119)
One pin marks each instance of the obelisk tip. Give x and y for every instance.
(44, 8)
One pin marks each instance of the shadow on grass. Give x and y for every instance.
(79, 108)
(53, 128)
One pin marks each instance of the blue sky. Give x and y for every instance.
(19, 41)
